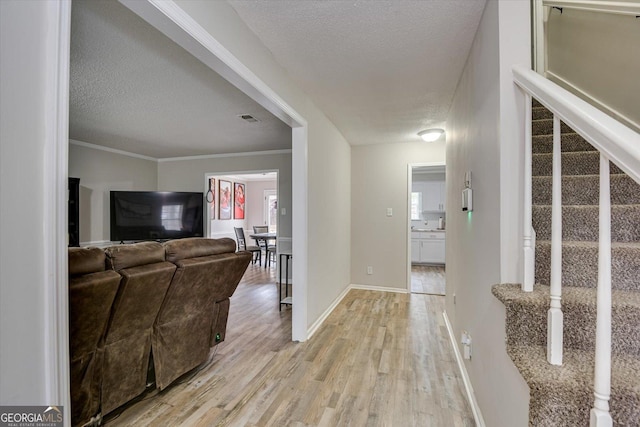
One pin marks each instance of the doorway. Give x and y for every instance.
(171, 22)
(254, 185)
(427, 228)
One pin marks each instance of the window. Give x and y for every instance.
(416, 205)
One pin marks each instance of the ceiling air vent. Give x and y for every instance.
(248, 118)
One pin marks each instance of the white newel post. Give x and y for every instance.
(528, 238)
(600, 416)
(554, 316)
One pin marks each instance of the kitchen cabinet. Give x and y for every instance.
(415, 250)
(433, 196)
(428, 247)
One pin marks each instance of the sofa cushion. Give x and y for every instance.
(125, 256)
(86, 261)
(195, 247)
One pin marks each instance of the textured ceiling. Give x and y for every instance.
(380, 70)
(133, 89)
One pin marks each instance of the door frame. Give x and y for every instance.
(172, 21)
(216, 175)
(410, 168)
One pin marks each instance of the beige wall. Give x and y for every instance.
(597, 53)
(379, 181)
(328, 154)
(100, 172)
(477, 127)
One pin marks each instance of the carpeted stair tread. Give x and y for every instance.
(539, 113)
(572, 163)
(585, 190)
(563, 395)
(568, 142)
(580, 222)
(545, 127)
(527, 315)
(580, 264)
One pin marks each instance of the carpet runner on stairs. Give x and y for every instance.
(563, 395)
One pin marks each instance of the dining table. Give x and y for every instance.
(265, 237)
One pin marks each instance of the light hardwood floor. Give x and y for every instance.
(380, 359)
(427, 279)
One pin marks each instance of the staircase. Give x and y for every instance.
(563, 395)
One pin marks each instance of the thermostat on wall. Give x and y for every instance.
(467, 200)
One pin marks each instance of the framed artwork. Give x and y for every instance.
(225, 199)
(238, 201)
(210, 197)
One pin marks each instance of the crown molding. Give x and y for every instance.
(111, 150)
(176, 159)
(217, 156)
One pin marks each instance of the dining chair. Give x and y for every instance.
(270, 250)
(256, 251)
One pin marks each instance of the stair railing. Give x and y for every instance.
(616, 143)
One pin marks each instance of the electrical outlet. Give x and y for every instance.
(369, 270)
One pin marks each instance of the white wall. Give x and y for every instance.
(595, 55)
(100, 172)
(255, 201)
(477, 132)
(225, 227)
(328, 153)
(379, 181)
(24, 35)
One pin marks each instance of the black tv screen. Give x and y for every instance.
(154, 215)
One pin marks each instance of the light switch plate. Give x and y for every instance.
(389, 211)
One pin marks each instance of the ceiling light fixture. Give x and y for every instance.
(430, 135)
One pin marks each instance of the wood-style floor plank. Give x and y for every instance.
(380, 359)
(427, 279)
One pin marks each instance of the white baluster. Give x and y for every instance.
(554, 316)
(600, 416)
(528, 238)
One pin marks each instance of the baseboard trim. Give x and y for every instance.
(475, 408)
(316, 325)
(378, 288)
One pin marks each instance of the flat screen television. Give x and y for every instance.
(154, 215)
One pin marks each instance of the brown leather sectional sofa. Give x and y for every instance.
(132, 304)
